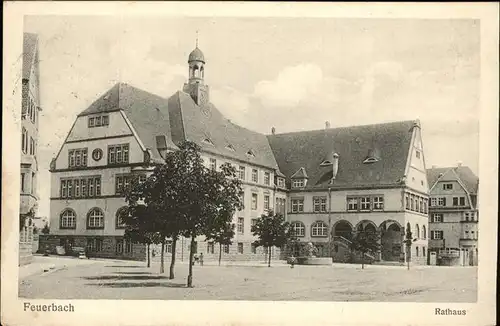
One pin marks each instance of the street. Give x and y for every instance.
(113, 279)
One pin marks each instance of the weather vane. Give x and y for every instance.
(196, 38)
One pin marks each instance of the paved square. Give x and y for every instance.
(132, 280)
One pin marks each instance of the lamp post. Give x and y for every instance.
(408, 241)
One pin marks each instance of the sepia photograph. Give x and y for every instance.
(249, 159)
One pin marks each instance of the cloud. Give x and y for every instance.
(233, 103)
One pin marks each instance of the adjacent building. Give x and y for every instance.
(30, 108)
(453, 215)
(328, 182)
(363, 178)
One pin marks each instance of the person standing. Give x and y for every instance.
(201, 259)
(292, 261)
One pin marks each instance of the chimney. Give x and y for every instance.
(335, 166)
(327, 124)
(273, 130)
(459, 164)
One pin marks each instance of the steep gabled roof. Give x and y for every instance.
(462, 173)
(300, 174)
(188, 121)
(147, 112)
(30, 42)
(308, 149)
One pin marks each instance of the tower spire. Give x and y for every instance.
(196, 38)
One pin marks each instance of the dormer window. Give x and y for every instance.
(230, 147)
(298, 183)
(208, 141)
(281, 182)
(326, 163)
(373, 156)
(250, 153)
(370, 160)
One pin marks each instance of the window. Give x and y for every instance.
(208, 141)
(253, 222)
(412, 202)
(213, 164)
(423, 251)
(128, 246)
(436, 235)
(319, 229)
(424, 205)
(281, 182)
(23, 181)
(424, 232)
(441, 201)
(253, 248)
(118, 154)
(24, 141)
(462, 201)
(437, 218)
(255, 175)
(267, 178)
(241, 225)
(32, 146)
(77, 157)
(473, 236)
(240, 247)
(210, 248)
(319, 204)
(280, 205)
(226, 249)
(455, 201)
(120, 223)
(447, 186)
(352, 204)
(81, 187)
(417, 204)
(416, 251)
(297, 205)
(68, 219)
(417, 154)
(467, 235)
(299, 229)
(378, 203)
(122, 183)
(94, 245)
(298, 183)
(119, 246)
(407, 201)
(365, 203)
(266, 202)
(433, 201)
(168, 246)
(417, 231)
(241, 173)
(98, 121)
(95, 219)
(254, 201)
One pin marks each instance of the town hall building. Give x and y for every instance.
(327, 183)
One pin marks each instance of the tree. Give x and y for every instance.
(272, 230)
(207, 198)
(365, 242)
(46, 229)
(224, 236)
(151, 215)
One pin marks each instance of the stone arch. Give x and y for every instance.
(424, 232)
(196, 71)
(342, 228)
(366, 225)
(202, 72)
(391, 240)
(417, 231)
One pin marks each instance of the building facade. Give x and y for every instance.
(326, 182)
(365, 178)
(30, 108)
(453, 215)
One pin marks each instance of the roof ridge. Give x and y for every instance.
(345, 127)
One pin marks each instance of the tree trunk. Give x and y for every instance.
(269, 256)
(172, 261)
(220, 252)
(191, 258)
(362, 260)
(149, 257)
(162, 266)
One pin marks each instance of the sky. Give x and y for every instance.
(289, 73)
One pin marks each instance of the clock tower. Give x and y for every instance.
(195, 86)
